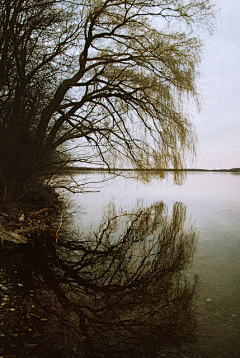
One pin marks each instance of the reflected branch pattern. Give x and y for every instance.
(121, 289)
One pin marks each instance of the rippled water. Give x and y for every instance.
(212, 203)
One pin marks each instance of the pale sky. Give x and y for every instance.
(218, 124)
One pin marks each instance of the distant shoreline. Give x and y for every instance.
(112, 170)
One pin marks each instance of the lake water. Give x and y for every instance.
(212, 202)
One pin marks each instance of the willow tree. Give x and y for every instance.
(101, 82)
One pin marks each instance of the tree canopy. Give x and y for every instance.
(100, 82)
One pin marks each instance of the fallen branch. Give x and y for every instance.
(29, 229)
(39, 212)
(12, 236)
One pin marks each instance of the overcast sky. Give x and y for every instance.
(218, 124)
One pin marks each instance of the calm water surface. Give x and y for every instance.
(212, 203)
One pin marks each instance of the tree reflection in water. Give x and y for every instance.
(122, 290)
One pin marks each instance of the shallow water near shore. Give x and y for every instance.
(156, 274)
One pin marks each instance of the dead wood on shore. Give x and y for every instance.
(12, 236)
(21, 222)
